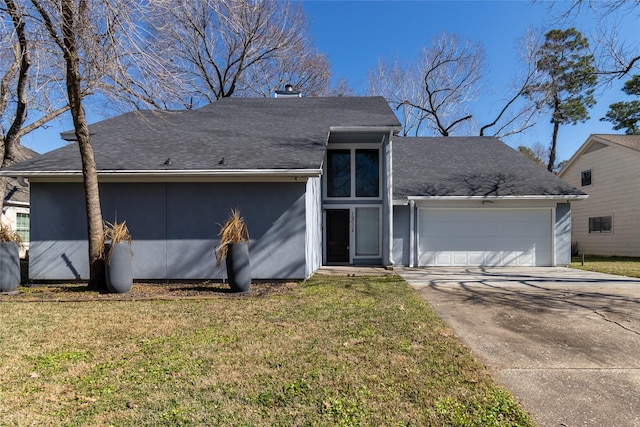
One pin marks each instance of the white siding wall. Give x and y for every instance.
(9, 217)
(615, 191)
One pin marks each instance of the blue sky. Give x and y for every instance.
(355, 34)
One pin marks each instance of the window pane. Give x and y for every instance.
(585, 177)
(600, 224)
(367, 173)
(367, 231)
(22, 226)
(338, 173)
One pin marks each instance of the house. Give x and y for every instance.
(15, 209)
(318, 180)
(607, 168)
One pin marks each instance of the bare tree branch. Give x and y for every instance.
(439, 93)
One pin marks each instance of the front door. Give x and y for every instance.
(337, 235)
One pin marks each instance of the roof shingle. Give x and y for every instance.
(468, 167)
(249, 133)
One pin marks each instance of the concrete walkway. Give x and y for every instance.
(565, 342)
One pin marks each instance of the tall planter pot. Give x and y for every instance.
(239, 267)
(9, 267)
(119, 268)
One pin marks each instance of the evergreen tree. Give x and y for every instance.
(568, 78)
(626, 114)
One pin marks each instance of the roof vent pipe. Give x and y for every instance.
(288, 92)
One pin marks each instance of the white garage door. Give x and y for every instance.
(484, 237)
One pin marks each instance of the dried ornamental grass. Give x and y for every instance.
(233, 231)
(116, 232)
(7, 234)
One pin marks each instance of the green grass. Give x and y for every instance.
(334, 351)
(624, 266)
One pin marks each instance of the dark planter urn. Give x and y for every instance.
(9, 267)
(239, 267)
(119, 268)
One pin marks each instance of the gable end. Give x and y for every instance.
(595, 146)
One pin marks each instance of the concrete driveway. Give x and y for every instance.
(565, 342)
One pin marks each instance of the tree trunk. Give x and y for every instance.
(554, 137)
(552, 149)
(90, 175)
(13, 134)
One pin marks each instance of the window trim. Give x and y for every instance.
(352, 230)
(352, 148)
(354, 219)
(26, 229)
(600, 218)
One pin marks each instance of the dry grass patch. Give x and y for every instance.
(623, 266)
(332, 351)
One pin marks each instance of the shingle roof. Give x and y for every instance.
(630, 141)
(249, 133)
(469, 166)
(14, 192)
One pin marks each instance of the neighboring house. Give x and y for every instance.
(318, 180)
(15, 210)
(607, 168)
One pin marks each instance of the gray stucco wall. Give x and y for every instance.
(401, 234)
(174, 228)
(563, 234)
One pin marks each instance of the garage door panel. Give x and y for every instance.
(474, 237)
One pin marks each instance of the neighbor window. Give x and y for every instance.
(353, 173)
(22, 226)
(585, 177)
(600, 224)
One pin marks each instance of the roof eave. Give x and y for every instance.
(159, 173)
(390, 128)
(403, 201)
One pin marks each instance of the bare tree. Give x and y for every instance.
(16, 73)
(223, 48)
(68, 25)
(451, 71)
(104, 48)
(437, 94)
(307, 71)
(616, 57)
(399, 85)
(536, 153)
(17, 48)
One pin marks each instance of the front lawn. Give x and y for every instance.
(334, 351)
(624, 266)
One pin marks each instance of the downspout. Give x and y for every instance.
(412, 206)
(389, 206)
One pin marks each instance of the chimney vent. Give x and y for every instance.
(288, 92)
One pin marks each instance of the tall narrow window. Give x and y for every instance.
(585, 177)
(338, 173)
(22, 226)
(368, 173)
(367, 231)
